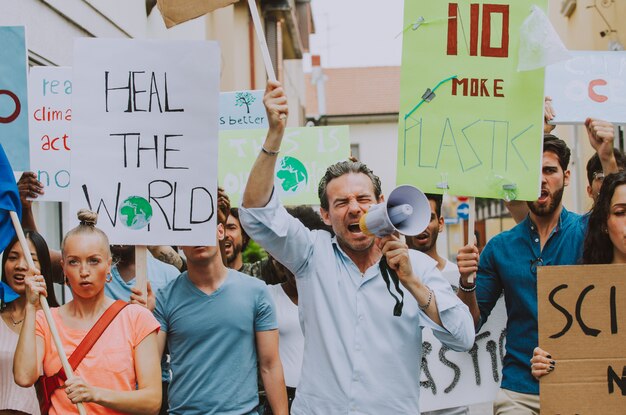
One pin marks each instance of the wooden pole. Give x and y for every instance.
(470, 230)
(262, 42)
(46, 308)
(141, 274)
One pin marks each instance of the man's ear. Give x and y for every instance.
(441, 224)
(220, 233)
(325, 216)
(566, 174)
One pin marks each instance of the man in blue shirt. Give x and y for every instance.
(217, 323)
(358, 356)
(550, 235)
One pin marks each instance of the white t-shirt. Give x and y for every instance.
(451, 273)
(291, 342)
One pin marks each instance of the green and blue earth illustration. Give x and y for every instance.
(136, 212)
(292, 174)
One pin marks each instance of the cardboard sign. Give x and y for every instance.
(14, 96)
(591, 84)
(49, 119)
(469, 121)
(450, 379)
(145, 151)
(180, 11)
(581, 318)
(305, 154)
(242, 110)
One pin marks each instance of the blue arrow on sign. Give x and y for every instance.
(462, 211)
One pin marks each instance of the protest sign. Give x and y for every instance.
(49, 119)
(180, 11)
(449, 379)
(305, 154)
(13, 96)
(145, 119)
(242, 110)
(590, 84)
(581, 309)
(469, 121)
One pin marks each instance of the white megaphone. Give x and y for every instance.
(406, 210)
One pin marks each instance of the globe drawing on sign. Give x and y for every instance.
(292, 174)
(136, 212)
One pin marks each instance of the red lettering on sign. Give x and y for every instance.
(18, 107)
(485, 46)
(593, 94)
(486, 49)
(474, 17)
(452, 28)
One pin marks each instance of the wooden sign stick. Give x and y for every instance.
(141, 266)
(263, 43)
(470, 230)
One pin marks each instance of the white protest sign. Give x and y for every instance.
(145, 154)
(450, 379)
(590, 84)
(49, 120)
(241, 110)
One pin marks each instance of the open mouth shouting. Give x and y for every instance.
(18, 278)
(354, 228)
(543, 196)
(422, 238)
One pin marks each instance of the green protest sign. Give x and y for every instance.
(305, 154)
(469, 121)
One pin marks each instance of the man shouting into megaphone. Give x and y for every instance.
(358, 355)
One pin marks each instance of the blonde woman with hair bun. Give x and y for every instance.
(121, 373)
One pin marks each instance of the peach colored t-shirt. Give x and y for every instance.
(109, 364)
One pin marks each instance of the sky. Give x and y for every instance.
(357, 32)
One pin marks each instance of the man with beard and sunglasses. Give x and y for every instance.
(550, 235)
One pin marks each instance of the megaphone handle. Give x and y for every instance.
(388, 273)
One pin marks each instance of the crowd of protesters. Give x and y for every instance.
(311, 329)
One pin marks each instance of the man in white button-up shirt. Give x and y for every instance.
(358, 356)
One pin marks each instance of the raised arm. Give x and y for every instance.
(601, 136)
(261, 179)
(29, 187)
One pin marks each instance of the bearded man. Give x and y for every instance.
(550, 235)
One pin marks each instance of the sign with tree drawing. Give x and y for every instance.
(242, 110)
(305, 154)
(469, 121)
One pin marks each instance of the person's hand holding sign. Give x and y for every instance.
(601, 135)
(275, 102)
(541, 363)
(548, 115)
